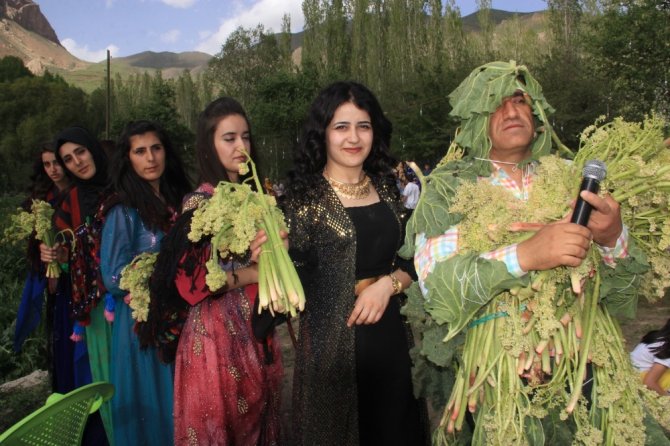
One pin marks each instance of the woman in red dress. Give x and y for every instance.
(226, 382)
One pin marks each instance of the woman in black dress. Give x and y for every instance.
(352, 382)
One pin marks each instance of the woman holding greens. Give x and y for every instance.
(226, 388)
(86, 165)
(352, 380)
(50, 183)
(149, 183)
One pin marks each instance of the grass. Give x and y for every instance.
(16, 404)
(13, 267)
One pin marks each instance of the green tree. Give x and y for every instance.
(12, 68)
(32, 110)
(486, 27)
(187, 99)
(247, 56)
(629, 45)
(276, 118)
(566, 73)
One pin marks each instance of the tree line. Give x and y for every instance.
(593, 57)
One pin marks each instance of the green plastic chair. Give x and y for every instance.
(61, 421)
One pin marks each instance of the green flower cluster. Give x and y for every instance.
(20, 227)
(638, 173)
(490, 212)
(231, 218)
(135, 278)
(22, 224)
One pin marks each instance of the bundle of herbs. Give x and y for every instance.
(232, 217)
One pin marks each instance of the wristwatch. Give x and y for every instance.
(397, 284)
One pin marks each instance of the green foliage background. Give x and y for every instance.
(591, 57)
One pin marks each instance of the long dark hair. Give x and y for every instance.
(136, 193)
(310, 155)
(40, 186)
(210, 168)
(167, 309)
(89, 191)
(663, 335)
(40, 182)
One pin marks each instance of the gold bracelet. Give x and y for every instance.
(397, 284)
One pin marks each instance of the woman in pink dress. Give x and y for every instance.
(226, 382)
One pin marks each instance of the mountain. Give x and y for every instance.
(28, 15)
(471, 22)
(27, 34)
(170, 64)
(149, 59)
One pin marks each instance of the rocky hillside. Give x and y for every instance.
(28, 15)
(27, 34)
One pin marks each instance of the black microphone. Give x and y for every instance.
(594, 172)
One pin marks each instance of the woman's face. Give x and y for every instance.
(348, 137)
(230, 137)
(147, 156)
(78, 160)
(52, 167)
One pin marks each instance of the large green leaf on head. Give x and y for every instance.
(473, 134)
(459, 287)
(482, 92)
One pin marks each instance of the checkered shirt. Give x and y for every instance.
(430, 251)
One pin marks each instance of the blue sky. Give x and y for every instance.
(125, 27)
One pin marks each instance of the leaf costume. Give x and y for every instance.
(493, 338)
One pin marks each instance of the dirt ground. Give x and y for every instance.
(649, 317)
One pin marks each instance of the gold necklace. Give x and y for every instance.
(355, 191)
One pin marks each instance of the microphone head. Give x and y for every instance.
(595, 169)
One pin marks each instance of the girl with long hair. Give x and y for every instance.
(652, 358)
(86, 165)
(149, 184)
(48, 178)
(352, 378)
(226, 390)
(48, 183)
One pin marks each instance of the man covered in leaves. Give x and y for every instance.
(514, 302)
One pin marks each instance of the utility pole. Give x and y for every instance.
(109, 96)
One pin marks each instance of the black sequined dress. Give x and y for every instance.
(351, 385)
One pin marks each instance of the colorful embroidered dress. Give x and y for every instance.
(225, 393)
(142, 403)
(78, 208)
